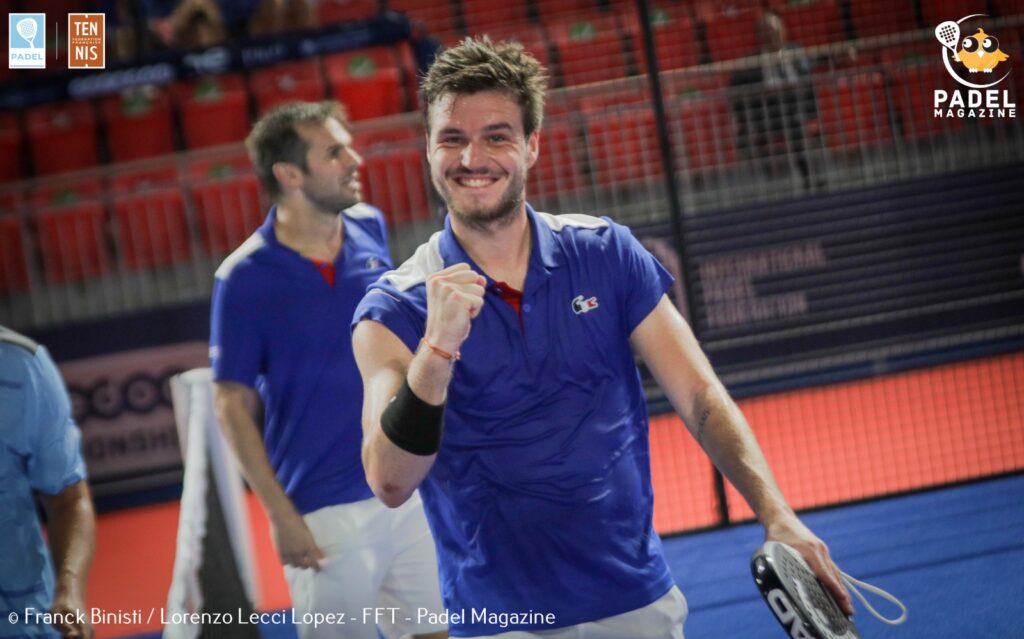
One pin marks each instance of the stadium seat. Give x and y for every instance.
(913, 87)
(557, 169)
(72, 241)
(394, 180)
(934, 12)
(730, 29)
(853, 110)
(11, 159)
(436, 16)
(214, 110)
(152, 229)
(878, 17)
(219, 166)
(334, 11)
(553, 10)
(228, 211)
(62, 137)
(139, 124)
(284, 82)
(370, 82)
(140, 179)
(60, 193)
(623, 145)
(702, 131)
(811, 23)
(480, 16)
(13, 264)
(589, 48)
(675, 39)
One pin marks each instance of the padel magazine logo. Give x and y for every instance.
(26, 40)
(978, 64)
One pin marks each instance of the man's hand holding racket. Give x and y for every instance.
(790, 530)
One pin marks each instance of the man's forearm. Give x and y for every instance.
(243, 436)
(719, 426)
(72, 535)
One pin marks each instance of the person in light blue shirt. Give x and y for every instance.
(500, 379)
(40, 452)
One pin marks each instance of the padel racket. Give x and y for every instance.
(801, 603)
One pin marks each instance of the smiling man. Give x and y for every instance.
(528, 435)
(282, 358)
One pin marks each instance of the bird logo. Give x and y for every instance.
(980, 52)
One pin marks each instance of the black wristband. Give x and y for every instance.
(412, 424)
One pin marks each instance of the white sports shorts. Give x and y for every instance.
(380, 570)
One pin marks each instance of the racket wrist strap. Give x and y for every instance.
(852, 584)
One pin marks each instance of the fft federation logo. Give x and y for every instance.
(87, 41)
(977, 53)
(26, 41)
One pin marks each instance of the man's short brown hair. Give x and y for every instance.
(477, 64)
(275, 138)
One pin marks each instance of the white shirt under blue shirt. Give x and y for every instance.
(278, 326)
(540, 498)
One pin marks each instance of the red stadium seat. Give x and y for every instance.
(72, 241)
(394, 180)
(370, 82)
(220, 166)
(853, 110)
(730, 29)
(589, 48)
(139, 124)
(552, 10)
(913, 88)
(11, 166)
(703, 133)
(13, 264)
(675, 39)
(878, 17)
(480, 16)
(935, 11)
(558, 168)
(811, 23)
(333, 11)
(60, 193)
(285, 82)
(214, 110)
(623, 145)
(129, 180)
(62, 137)
(152, 229)
(437, 16)
(228, 211)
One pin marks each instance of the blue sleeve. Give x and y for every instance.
(643, 279)
(55, 454)
(236, 345)
(384, 305)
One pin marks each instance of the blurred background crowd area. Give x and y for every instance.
(123, 188)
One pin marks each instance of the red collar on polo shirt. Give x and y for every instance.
(510, 296)
(326, 269)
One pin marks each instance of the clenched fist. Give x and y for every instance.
(454, 297)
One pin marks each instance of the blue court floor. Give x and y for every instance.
(955, 556)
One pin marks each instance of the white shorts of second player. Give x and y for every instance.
(380, 570)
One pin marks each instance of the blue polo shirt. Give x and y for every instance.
(540, 498)
(279, 327)
(39, 450)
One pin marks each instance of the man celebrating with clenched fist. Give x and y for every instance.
(500, 379)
